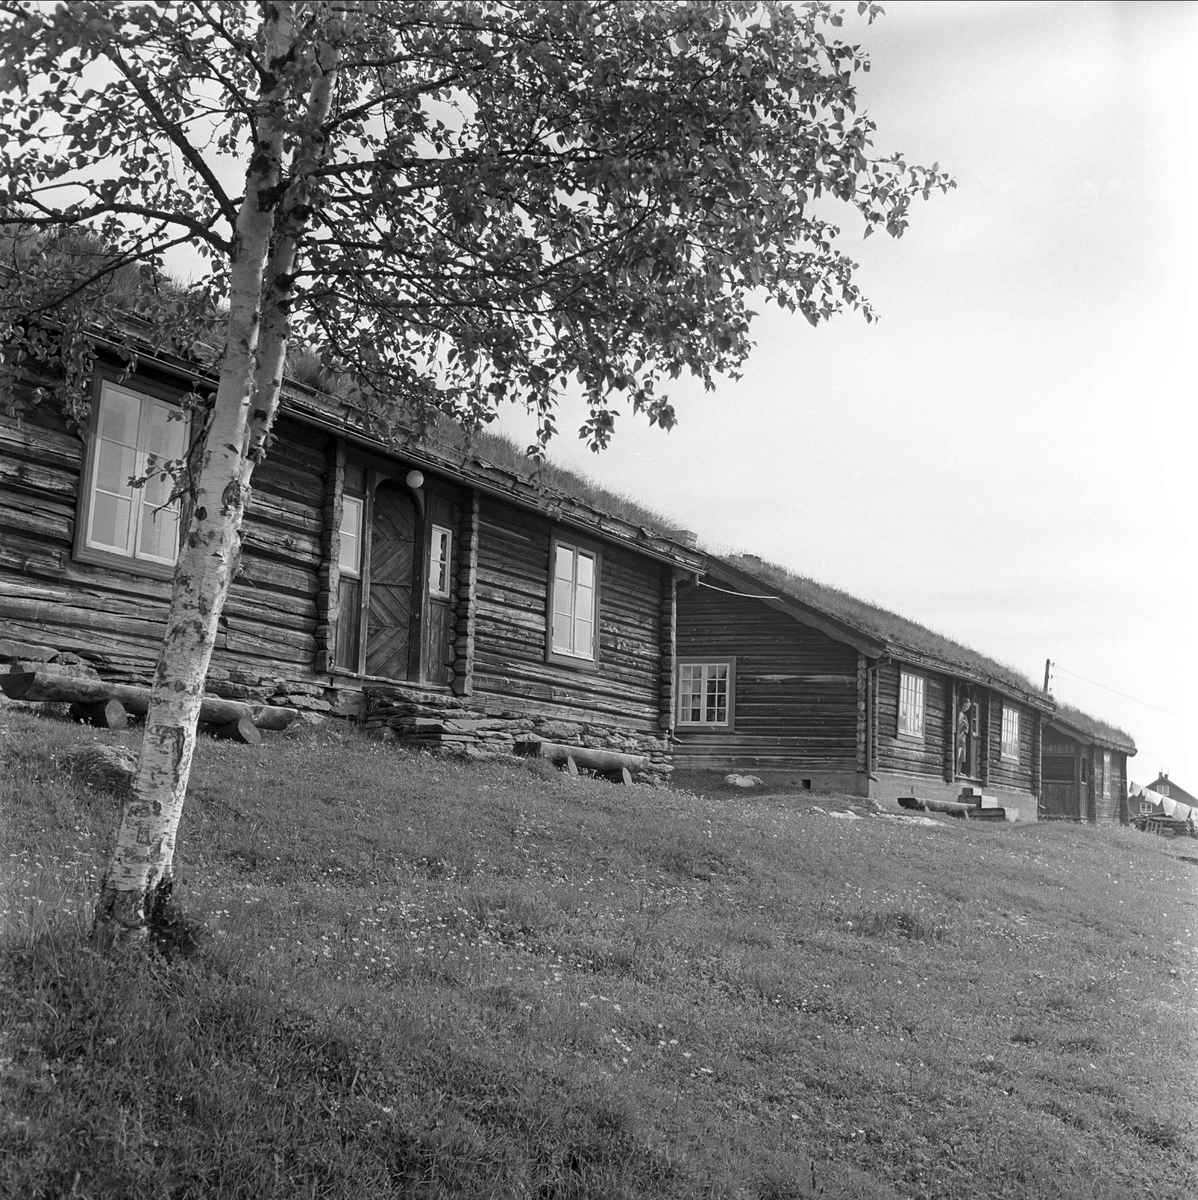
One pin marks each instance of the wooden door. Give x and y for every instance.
(1058, 782)
(392, 619)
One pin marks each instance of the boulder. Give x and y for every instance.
(110, 768)
(742, 781)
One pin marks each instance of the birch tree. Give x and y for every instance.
(454, 204)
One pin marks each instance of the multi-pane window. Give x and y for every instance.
(1010, 732)
(911, 707)
(705, 693)
(440, 549)
(349, 561)
(134, 433)
(1106, 774)
(574, 601)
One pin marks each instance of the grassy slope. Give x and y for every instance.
(434, 979)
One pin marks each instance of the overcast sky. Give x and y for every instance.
(1008, 455)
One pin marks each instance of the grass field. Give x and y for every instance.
(433, 979)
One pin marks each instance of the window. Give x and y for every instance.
(1106, 774)
(440, 549)
(1010, 733)
(119, 521)
(910, 713)
(573, 603)
(705, 691)
(349, 561)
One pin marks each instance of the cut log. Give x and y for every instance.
(40, 686)
(584, 756)
(953, 807)
(105, 714)
(242, 730)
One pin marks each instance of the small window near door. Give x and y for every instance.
(1106, 774)
(1010, 733)
(440, 559)
(349, 561)
(705, 693)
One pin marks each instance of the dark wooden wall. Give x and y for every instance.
(913, 756)
(796, 691)
(511, 590)
(1005, 772)
(115, 618)
(1062, 796)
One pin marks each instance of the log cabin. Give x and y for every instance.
(807, 686)
(405, 583)
(1084, 767)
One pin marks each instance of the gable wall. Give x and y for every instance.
(797, 699)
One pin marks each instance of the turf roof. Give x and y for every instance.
(1094, 728)
(898, 631)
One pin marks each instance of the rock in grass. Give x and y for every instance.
(108, 767)
(742, 781)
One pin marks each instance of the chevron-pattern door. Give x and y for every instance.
(392, 562)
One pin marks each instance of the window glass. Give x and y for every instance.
(911, 695)
(441, 548)
(574, 602)
(140, 523)
(1010, 732)
(704, 693)
(349, 561)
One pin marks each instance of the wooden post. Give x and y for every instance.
(328, 586)
(669, 653)
(463, 664)
(950, 772)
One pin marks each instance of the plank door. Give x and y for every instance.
(391, 620)
(1058, 782)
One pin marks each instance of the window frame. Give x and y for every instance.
(1107, 791)
(565, 658)
(436, 563)
(1004, 742)
(82, 552)
(359, 503)
(729, 722)
(922, 680)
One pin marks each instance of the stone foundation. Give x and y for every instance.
(435, 720)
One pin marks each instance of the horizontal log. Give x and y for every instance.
(42, 687)
(242, 730)
(104, 714)
(583, 756)
(953, 807)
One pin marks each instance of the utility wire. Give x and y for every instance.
(1056, 666)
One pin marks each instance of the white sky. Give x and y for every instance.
(1008, 455)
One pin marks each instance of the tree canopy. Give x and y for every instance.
(492, 199)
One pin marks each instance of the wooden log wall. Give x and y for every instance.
(511, 593)
(1005, 772)
(796, 692)
(115, 619)
(926, 756)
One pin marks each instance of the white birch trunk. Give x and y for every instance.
(141, 871)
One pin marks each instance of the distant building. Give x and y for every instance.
(1164, 786)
